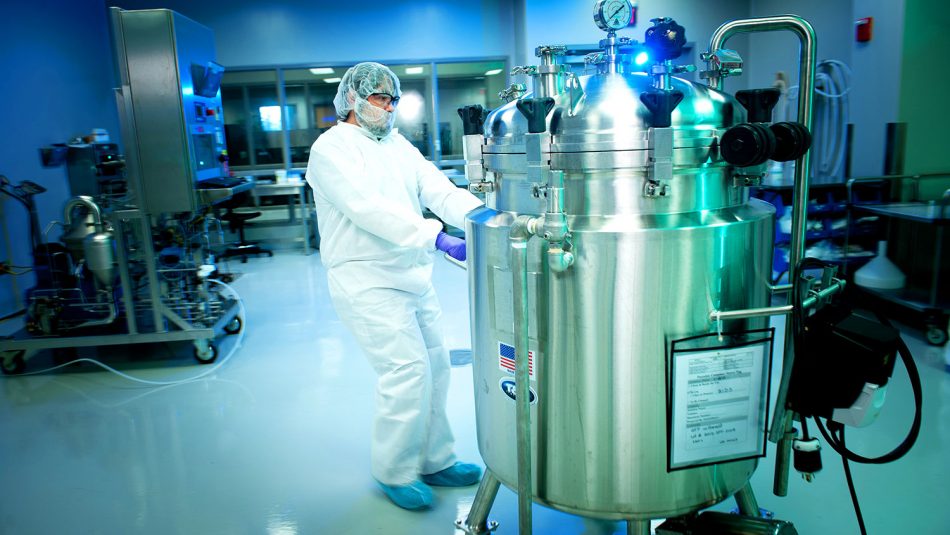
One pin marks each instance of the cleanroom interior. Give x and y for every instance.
(275, 439)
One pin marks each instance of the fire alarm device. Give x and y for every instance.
(862, 29)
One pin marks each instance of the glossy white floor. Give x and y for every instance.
(276, 440)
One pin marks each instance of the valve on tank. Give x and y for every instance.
(753, 143)
(473, 126)
(473, 119)
(665, 40)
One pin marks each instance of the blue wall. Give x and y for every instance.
(875, 100)
(771, 52)
(296, 32)
(58, 77)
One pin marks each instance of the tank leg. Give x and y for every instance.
(638, 527)
(477, 521)
(746, 501)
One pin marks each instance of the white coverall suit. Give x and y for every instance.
(377, 249)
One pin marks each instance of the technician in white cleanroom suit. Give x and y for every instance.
(370, 186)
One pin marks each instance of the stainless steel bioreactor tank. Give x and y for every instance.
(646, 271)
(644, 229)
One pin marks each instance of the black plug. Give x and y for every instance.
(807, 457)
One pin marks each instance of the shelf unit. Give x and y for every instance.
(927, 293)
(850, 242)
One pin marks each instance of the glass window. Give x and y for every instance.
(414, 113)
(464, 84)
(311, 90)
(252, 119)
(255, 123)
(267, 143)
(235, 126)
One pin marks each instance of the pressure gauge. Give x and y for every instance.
(612, 15)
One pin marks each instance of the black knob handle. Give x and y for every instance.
(759, 103)
(792, 141)
(747, 144)
(473, 119)
(665, 39)
(536, 112)
(661, 105)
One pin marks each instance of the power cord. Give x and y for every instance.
(242, 313)
(854, 494)
(834, 434)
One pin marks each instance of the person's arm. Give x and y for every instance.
(357, 199)
(440, 195)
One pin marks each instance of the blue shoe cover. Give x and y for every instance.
(457, 475)
(415, 495)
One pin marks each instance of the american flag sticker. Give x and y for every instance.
(506, 359)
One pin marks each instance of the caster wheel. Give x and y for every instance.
(936, 336)
(206, 354)
(13, 362)
(234, 326)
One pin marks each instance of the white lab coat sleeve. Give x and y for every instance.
(440, 195)
(357, 199)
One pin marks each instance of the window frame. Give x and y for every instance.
(280, 84)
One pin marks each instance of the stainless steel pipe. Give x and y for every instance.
(638, 527)
(782, 419)
(721, 315)
(521, 232)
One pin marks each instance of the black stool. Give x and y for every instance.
(237, 221)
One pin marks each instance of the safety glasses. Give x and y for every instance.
(383, 100)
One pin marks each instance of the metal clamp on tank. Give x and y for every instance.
(550, 78)
(611, 59)
(666, 40)
(661, 105)
(749, 145)
(473, 124)
(513, 91)
(552, 75)
(720, 64)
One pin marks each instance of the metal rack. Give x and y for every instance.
(103, 283)
(153, 309)
(933, 304)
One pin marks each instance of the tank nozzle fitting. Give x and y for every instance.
(559, 259)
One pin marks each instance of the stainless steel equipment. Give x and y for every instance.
(132, 264)
(171, 80)
(614, 225)
(646, 270)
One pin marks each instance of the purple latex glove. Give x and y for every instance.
(454, 247)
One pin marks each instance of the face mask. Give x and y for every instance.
(374, 120)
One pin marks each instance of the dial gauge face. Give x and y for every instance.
(613, 14)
